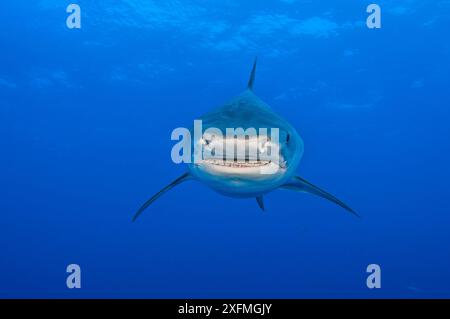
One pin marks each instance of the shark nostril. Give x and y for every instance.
(205, 141)
(263, 147)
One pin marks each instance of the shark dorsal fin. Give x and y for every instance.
(252, 76)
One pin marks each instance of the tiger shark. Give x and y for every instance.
(241, 176)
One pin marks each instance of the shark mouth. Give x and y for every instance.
(242, 167)
(246, 156)
(237, 163)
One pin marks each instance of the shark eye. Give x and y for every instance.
(288, 137)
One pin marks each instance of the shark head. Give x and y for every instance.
(245, 149)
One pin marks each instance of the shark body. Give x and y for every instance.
(241, 177)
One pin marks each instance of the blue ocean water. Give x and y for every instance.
(85, 122)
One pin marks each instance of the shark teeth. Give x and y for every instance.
(236, 164)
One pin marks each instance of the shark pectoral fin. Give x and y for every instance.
(179, 180)
(301, 185)
(260, 201)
